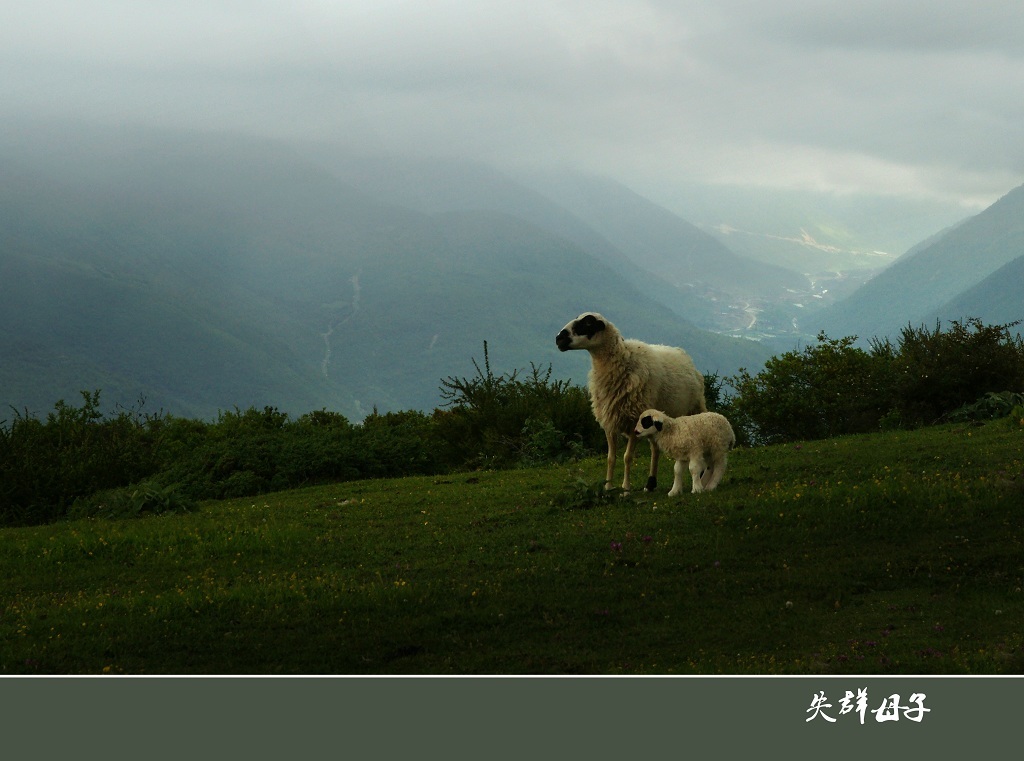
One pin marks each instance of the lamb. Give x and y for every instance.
(691, 441)
(628, 376)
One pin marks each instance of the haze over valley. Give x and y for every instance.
(306, 206)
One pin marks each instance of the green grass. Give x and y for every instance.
(890, 553)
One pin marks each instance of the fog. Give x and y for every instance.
(918, 101)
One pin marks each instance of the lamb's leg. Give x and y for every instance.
(719, 469)
(709, 469)
(627, 462)
(696, 467)
(678, 469)
(612, 451)
(652, 475)
(707, 476)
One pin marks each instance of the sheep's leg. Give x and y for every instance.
(652, 475)
(627, 462)
(696, 467)
(678, 469)
(609, 473)
(719, 468)
(707, 477)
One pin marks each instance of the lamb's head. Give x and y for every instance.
(588, 331)
(650, 423)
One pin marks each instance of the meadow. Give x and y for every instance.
(887, 553)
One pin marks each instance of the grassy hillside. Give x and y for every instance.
(887, 553)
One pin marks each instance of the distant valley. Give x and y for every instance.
(205, 272)
(974, 269)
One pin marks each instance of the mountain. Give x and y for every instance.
(659, 241)
(437, 185)
(929, 280)
(668, 259)
(996, 300)
(815, 232)
(723, 287)
(205, 272)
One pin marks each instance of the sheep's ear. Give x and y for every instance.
(658, 425)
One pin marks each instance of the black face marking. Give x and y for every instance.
(588, 326)
(658, 424)
(563, 340)
(647, 421)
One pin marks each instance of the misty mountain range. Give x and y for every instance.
(205, 272)
(975, 269)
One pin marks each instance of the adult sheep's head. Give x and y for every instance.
(650, 423)
(585, 332)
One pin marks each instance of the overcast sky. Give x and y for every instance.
(918, 98)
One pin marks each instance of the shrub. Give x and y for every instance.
(826, 389)
(503, 420)
(46, 466)
(936, 371)
(252, 451)
(992, 406)
(400, 443)
(834, 388)
(715, 396)
(132, 501)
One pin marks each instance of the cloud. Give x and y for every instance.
(944, 26)
(916, 98)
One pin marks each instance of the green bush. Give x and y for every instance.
(936, 371)
(132, 501)
(501, 421)
(715, 396)
(992, 406)
(79, 462)
(400, 443)
(46, 466)
(251, 452)
(833, 387)
(824, 390)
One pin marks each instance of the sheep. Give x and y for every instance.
(701, 442)
(628, 376)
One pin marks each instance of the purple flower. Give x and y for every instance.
(616, 546)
